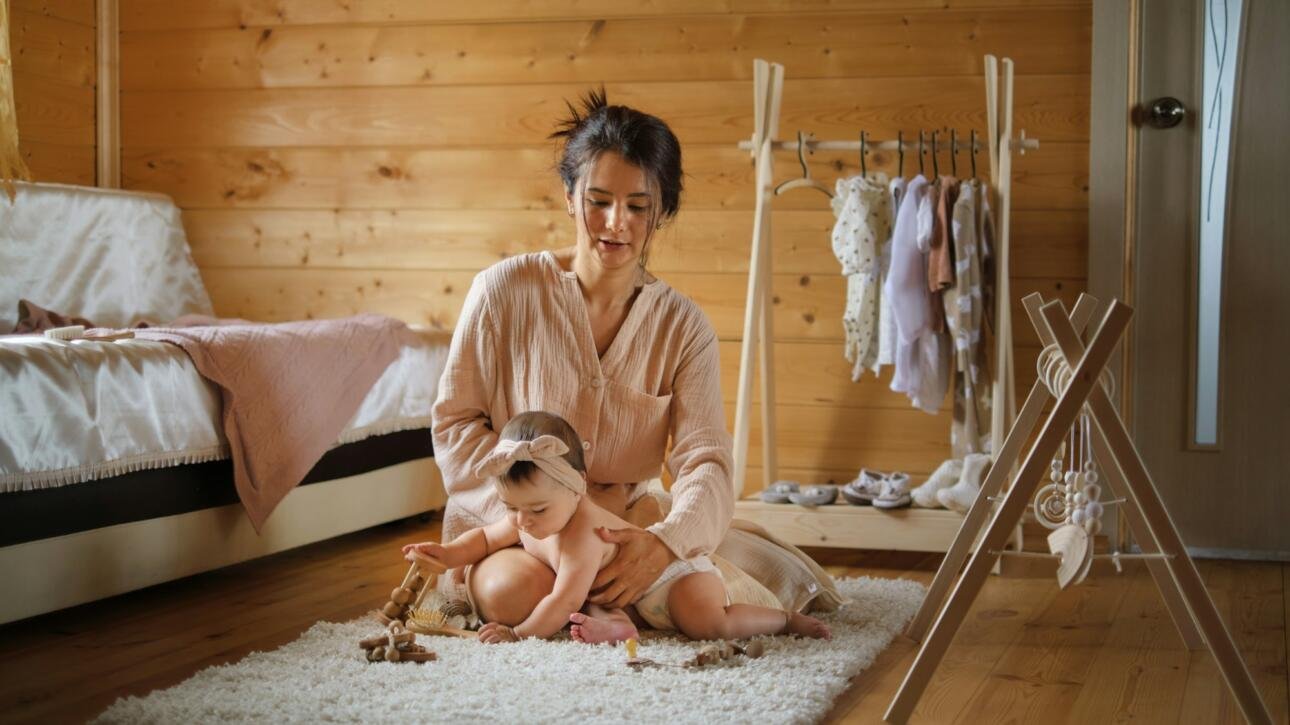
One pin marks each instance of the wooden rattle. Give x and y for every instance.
(406, 597)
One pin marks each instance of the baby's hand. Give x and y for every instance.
(436, 555)
(494, 633)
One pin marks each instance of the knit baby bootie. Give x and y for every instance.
(961, 495)
(947, 474)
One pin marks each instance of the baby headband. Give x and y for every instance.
(546, 452)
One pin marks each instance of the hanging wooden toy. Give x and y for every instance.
(1075, 376)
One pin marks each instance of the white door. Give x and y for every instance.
(1210, 357)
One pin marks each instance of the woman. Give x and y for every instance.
(589, 334)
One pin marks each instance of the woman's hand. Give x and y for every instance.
(494, 633)
(641, 558)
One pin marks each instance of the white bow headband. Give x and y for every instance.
(546, 452)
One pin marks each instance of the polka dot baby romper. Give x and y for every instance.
(863, 210)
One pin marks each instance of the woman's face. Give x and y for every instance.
(618, 209)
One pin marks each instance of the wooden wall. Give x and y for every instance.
(338, 157)
(53, 77)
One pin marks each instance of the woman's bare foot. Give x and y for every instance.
(595, 630)
(807, 626)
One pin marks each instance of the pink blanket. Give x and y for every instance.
(288, 389)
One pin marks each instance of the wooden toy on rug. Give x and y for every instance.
(708, 654)
(396, 645)
(405, 598)
(404, 606)
(435, 622)
(1074, 375)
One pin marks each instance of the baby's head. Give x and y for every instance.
(538, 471)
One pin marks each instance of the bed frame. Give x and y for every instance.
(63, 571)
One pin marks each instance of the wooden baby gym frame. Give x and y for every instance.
(1124, 472)
(758, 331)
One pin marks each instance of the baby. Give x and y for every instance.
(540, 476)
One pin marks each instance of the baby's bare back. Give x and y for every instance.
(578, 535)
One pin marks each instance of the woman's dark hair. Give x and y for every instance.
(528, 426)
(643, 140)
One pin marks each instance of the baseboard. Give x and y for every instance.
(63, 571)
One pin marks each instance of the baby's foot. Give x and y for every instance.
(593, 630)
(807, 627)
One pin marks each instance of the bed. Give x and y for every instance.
(114, 468)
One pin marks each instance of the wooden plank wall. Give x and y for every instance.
(338, 157)
(53, 77)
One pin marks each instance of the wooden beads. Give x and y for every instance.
(723, 650)
(403, 597)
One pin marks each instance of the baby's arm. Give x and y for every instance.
(578, 566)
(469, 548)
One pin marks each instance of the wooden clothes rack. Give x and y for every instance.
(758, 332)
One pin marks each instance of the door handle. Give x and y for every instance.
(1163, 112)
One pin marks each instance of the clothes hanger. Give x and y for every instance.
(806, 180)
(900, 151)
(920, 153)
(864, 170)
(954, 152)
(936, 165)
(974, 153)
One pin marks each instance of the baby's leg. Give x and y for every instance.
(601, 625)
(697, 604)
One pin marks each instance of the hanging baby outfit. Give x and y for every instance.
(940, 252)
(921, 360)
(965, 317)
(887, 319)
(863, 211)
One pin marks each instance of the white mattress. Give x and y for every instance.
(76, 411)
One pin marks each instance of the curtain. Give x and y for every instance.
(11, 164)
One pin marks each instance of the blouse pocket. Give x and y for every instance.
(633, 434)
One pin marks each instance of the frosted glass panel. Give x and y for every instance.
(1222, 31)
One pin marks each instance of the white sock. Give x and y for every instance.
(962, 495)
(945, 475)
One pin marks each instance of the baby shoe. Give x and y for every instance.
(945, 475)
(895, 492)
(864, 488)
(815, 496)
(779, 491)
(962, 495)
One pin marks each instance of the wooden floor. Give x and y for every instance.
(1103, 652)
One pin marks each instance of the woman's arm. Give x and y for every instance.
(703, 501)
(461, 430)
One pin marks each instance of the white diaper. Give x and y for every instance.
(653, 605)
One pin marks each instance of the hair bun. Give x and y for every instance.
(592, 101)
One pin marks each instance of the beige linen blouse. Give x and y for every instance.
(524, 342)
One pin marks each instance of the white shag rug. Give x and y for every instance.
(322, 676)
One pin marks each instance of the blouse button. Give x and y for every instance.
(586, 445)
(595, 382)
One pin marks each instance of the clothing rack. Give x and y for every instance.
(758, 332)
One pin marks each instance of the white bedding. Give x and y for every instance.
(77, 411)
